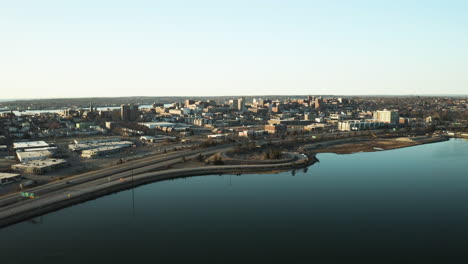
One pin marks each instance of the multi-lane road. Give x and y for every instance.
(151, 163)
(67, 196)
(14, 207)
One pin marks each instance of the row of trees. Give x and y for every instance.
(439, 115)
(272, 154)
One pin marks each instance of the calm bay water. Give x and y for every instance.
(405, 205)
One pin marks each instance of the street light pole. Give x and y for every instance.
(133, 197)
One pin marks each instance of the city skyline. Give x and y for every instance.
(259, 131)
(115, 49)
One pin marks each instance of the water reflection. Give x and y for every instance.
(402, 204)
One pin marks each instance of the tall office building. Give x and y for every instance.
(129, 112)
(241, 103)
(318, 102)
(125, 112)
(189, 102)
(134, 112)
(233, 104)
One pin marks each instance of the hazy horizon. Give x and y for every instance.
(240, 95)
(63, 49)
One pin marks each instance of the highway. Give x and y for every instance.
(142, 165)
(70, 195)
(115, 172)
(14, 207)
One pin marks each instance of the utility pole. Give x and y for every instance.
(133, 196)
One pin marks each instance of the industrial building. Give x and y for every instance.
(86, 146)
(109, 139)
(95, 152)
(26, 156)
(157, 138)
(40, 149)
(40, 166)
(6, 178)
(29, 145)
(33, 150)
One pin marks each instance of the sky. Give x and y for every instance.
(54, 49)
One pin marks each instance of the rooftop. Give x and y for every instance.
(41, 163)
(78, 147)
(28, 155)
(30, 144)
(8, 175)
(39, 149)
(102, 149)
(162, 124)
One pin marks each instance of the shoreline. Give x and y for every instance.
(352, 146)
(60, 201)
(65, 199)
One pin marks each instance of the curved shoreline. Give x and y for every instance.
(357, 145)
(57, 201)
(60, 201)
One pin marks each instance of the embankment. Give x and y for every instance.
(48, 204)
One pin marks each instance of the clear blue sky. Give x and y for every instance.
(156, 48)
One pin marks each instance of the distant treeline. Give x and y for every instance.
(57, 103)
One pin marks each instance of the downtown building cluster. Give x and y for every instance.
(124, 127)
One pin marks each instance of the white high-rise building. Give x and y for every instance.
(387, 116)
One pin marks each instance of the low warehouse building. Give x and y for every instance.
(40, 166)
(27, 156)
(40, 149)
(87, 146)
(95, 141)
(158, 138)
(95, 152)
(6, 178)
(29, 145)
